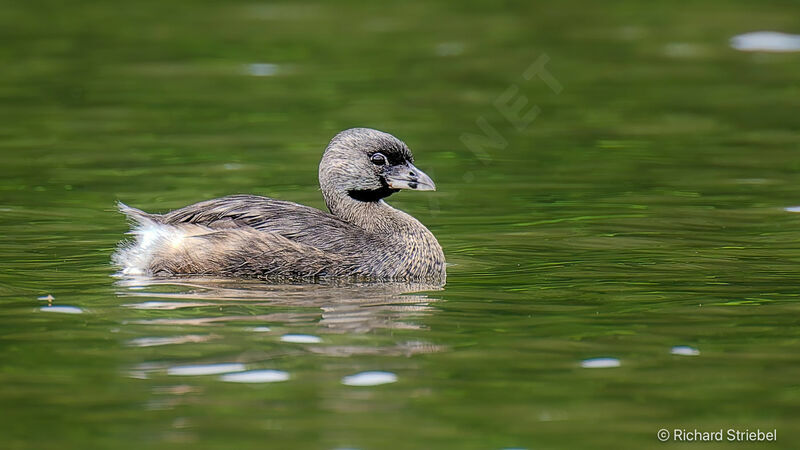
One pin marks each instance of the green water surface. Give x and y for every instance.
(639, 207)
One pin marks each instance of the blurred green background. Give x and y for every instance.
(642, 209)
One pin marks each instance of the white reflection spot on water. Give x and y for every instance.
(753, 181)
(164, 305)
(684, 350)
(301, 338)
(372, 378)
(449, 49)
(261, 329)
(683, 50)
(206, 369)
(47, 297)
(766, 41)
(156, 341)
(62, 309)
(600, 363)
(256, 376)
(262, 69)
(792, 209)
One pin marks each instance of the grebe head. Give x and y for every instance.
(367, 165)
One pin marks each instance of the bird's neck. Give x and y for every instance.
(373, 216)
(420, 254)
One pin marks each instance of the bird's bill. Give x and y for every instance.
(407, 176)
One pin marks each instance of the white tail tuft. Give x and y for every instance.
(134, 258)
(151, 237)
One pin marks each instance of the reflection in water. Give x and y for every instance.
(280, 339)
(167, 305)
(372, 378)
(261, 70)
(766, 41)
(600, 363)
(301, 338)
(155, 341)
(346, 307)
(261, 331)
(205, 369)
(684, 350)
(256, 376)
(62, 309)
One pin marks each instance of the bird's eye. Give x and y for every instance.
(378, 159)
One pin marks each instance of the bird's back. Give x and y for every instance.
(246, 235)
(298, 223)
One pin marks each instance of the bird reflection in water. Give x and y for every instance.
(346, 307)
(302, 313)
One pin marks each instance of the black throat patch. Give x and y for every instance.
(372, 195)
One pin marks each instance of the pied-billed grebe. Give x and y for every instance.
(252, 236)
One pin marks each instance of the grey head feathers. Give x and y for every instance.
(367, 165)
(347, 169)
